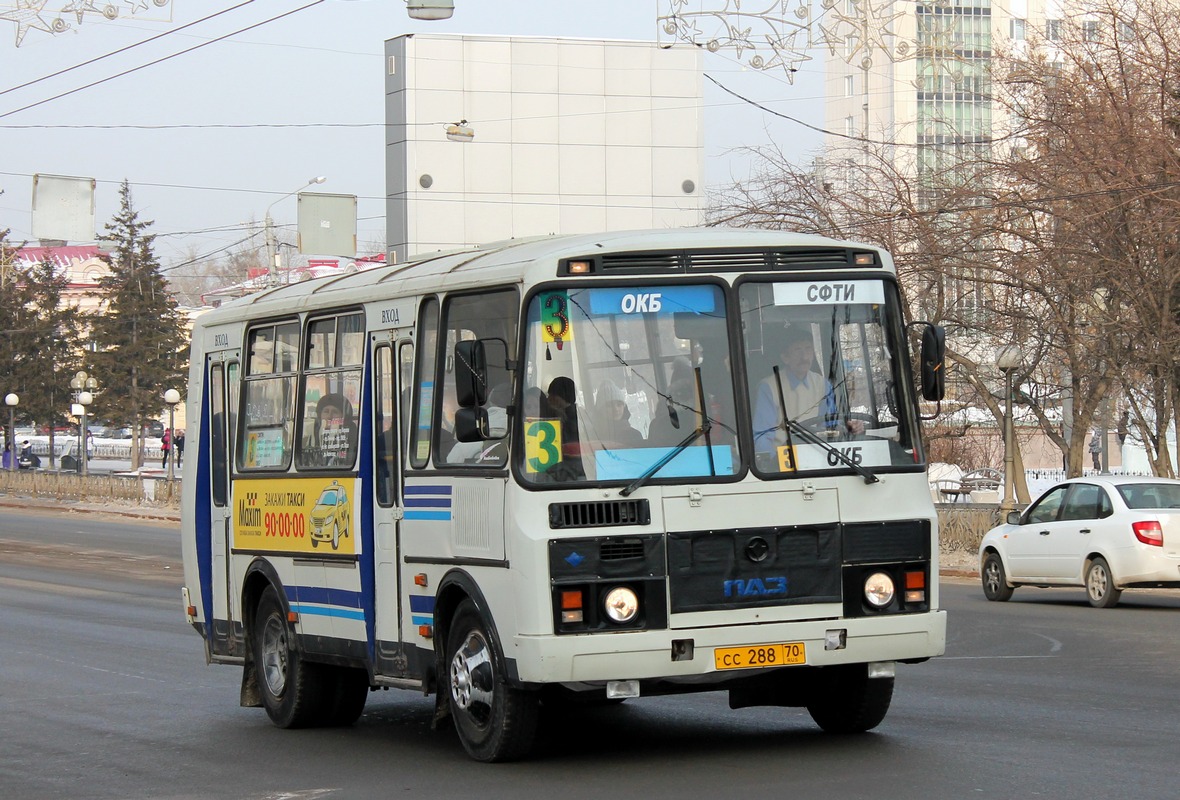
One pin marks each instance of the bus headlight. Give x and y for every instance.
(621, 604)
(879, 590)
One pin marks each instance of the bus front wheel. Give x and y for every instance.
(292, 690)
(495, 721)
(850, 701)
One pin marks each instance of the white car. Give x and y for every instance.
(1105, 533)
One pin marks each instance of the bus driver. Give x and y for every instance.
(806, 393)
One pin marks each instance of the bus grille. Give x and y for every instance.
(599, 514)
(728, 260)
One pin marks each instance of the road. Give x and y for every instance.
(105, 694)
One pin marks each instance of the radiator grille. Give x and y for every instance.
(621, 549)
(599, 514)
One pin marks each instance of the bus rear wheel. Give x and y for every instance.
(850, 701)
(292, 689)
(495, 721)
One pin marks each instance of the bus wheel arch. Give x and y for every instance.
(259, 576)
(494, 717)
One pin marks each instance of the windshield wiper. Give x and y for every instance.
(791, 425)
(705, 426)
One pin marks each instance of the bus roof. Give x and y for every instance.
(531, 260)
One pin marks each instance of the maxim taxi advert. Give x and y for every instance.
(301, 515)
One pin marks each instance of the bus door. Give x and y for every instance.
(393, 357)
(222, 375)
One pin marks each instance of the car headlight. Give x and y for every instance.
(621, 604)
(879, 590)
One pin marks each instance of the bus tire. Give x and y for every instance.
(850, 701)
(495, 721)
(291, 688)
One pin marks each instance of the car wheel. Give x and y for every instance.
(335, 535)
(995, 582)
(495, 721)
(292, 689)
(850, 701)
(1100, 588)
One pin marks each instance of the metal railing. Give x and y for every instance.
(134, 490)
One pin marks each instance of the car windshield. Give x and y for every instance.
(620, 377)
(823, 363)
(1150, 495)
(328, 498)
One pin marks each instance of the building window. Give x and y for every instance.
(1053, 30)
(1016, 29)
(1090, 30)
(849, 85)
(850, 127)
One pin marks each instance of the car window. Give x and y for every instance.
(1151, 495)
(1047, 507)
(1084, 501)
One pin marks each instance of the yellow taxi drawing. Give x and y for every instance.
(330, 516)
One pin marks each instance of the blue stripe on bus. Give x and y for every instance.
(422, 620)
(323, 596)
(328, 611)
(422, 603)
(428, 502)
(438, 516)
(428, 490)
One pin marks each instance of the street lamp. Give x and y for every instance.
(84, 387)
(1008, 359)
(172, 397)
(430, 9)
(12, 401)
(272, 254)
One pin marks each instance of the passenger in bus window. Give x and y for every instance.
(562, 400)
(334, 430)
(805, 392)
(612, 418)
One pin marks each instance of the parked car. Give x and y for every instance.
(1106, 533)
(154, 429)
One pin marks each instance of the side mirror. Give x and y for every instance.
(933, 362)
(1013, 517)
(471, 425)
(471, 375)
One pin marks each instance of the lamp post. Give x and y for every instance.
(171, 397)
(272, 254)
(84, 386)
(1008, 359)
(12, 401)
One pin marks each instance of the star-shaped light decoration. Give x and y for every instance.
(770, 36)
(33, 14)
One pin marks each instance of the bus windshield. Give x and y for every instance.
(824, 376)
(622, 377)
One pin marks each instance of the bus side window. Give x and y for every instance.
(385, 425)
(427, 374)
(217, 435)
(269, 397)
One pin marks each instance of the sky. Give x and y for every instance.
(277, 92)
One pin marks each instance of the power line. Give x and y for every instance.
(123, 49)
(160, 60)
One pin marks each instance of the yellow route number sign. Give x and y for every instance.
(542, 444)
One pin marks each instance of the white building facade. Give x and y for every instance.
(547, 136)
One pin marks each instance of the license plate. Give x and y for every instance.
(760, 655)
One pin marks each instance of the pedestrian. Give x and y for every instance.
(1124, 424)
(178, 443)
(166, 446)
(7, 461)
(89, 445)
(1096, 450)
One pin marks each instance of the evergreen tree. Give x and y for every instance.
(139, 335)
(8, 322)
(46, 344)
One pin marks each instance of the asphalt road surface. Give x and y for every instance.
(104, 693)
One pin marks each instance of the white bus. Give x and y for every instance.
(583, 468)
